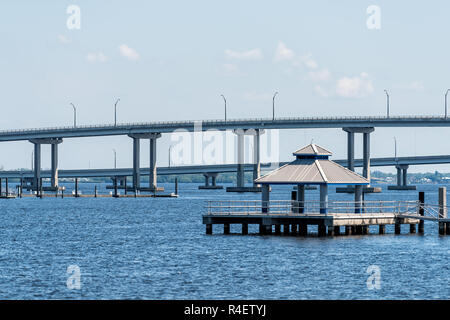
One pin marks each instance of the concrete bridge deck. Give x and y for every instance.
(216, 168)
(171, 126)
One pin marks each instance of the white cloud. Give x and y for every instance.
(259, 97)
(320, 75)
(231, 69)
(128, 52)
(96, 57)
(321, 91)
(63, 39)
(417, 85)
(283, 53)
(354, 87)
(308, 61)
(254, 54)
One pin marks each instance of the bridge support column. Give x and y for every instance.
(366, 131)
(37, 162)
(37, 167)
(402, 178)
(213, 185)
(136, 163)
(153, 176)
(240, 176)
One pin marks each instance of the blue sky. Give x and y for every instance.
(171, 61)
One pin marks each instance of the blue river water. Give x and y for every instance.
(146, 248)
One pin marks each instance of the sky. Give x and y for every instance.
(172, 60)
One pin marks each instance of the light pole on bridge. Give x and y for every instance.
(74, 115)
(387, 101)
(115, 112)
(115, 158)
(446, 93)
(225, 101)
(273, 105)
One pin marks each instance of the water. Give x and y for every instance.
(145, 248)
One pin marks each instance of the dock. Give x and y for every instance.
(285, 217)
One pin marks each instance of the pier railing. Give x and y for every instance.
(289, 207)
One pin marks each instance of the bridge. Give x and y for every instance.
(212, 170)
(241, 127)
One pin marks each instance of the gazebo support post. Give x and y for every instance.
(358, 198)
(301, 198)
(323, 198)
(265, 198)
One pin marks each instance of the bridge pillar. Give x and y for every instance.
(402, 178)
(136, 163)
(240, 176)
(213, 185)
(37, 161)
(37, 167)
(153, 176)
(366, 131)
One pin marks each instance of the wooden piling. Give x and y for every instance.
(294, 229)
(76, 187)
(95, 191)
(268, 229)
(337, 230)
(286, 229)
(277, 229)
(442, 209)
(322, 230)
(261, 229)
(6, 186)
(348, 230)
(412, 228)
(330, 231)
(398, 228)
(176, 185)
(421, 211)
(209, 229)
(226, 228)
(382, 229)
(303, 230)
(245, 228)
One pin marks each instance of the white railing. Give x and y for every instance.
(290, 207)
(221, 121)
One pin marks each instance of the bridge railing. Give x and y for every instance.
(221, 121)
(289, 207)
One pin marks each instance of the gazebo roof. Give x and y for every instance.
(312, 149)
(312, 170)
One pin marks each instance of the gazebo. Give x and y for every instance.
(312, 167)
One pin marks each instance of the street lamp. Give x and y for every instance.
(395, 148)
(387, 100)
(170, 149)
(115, 112)
(446, 103)
(74, 115)
(225, 100)
(273, 105)
(115, 158)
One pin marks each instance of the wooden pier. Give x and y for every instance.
(294, 218)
